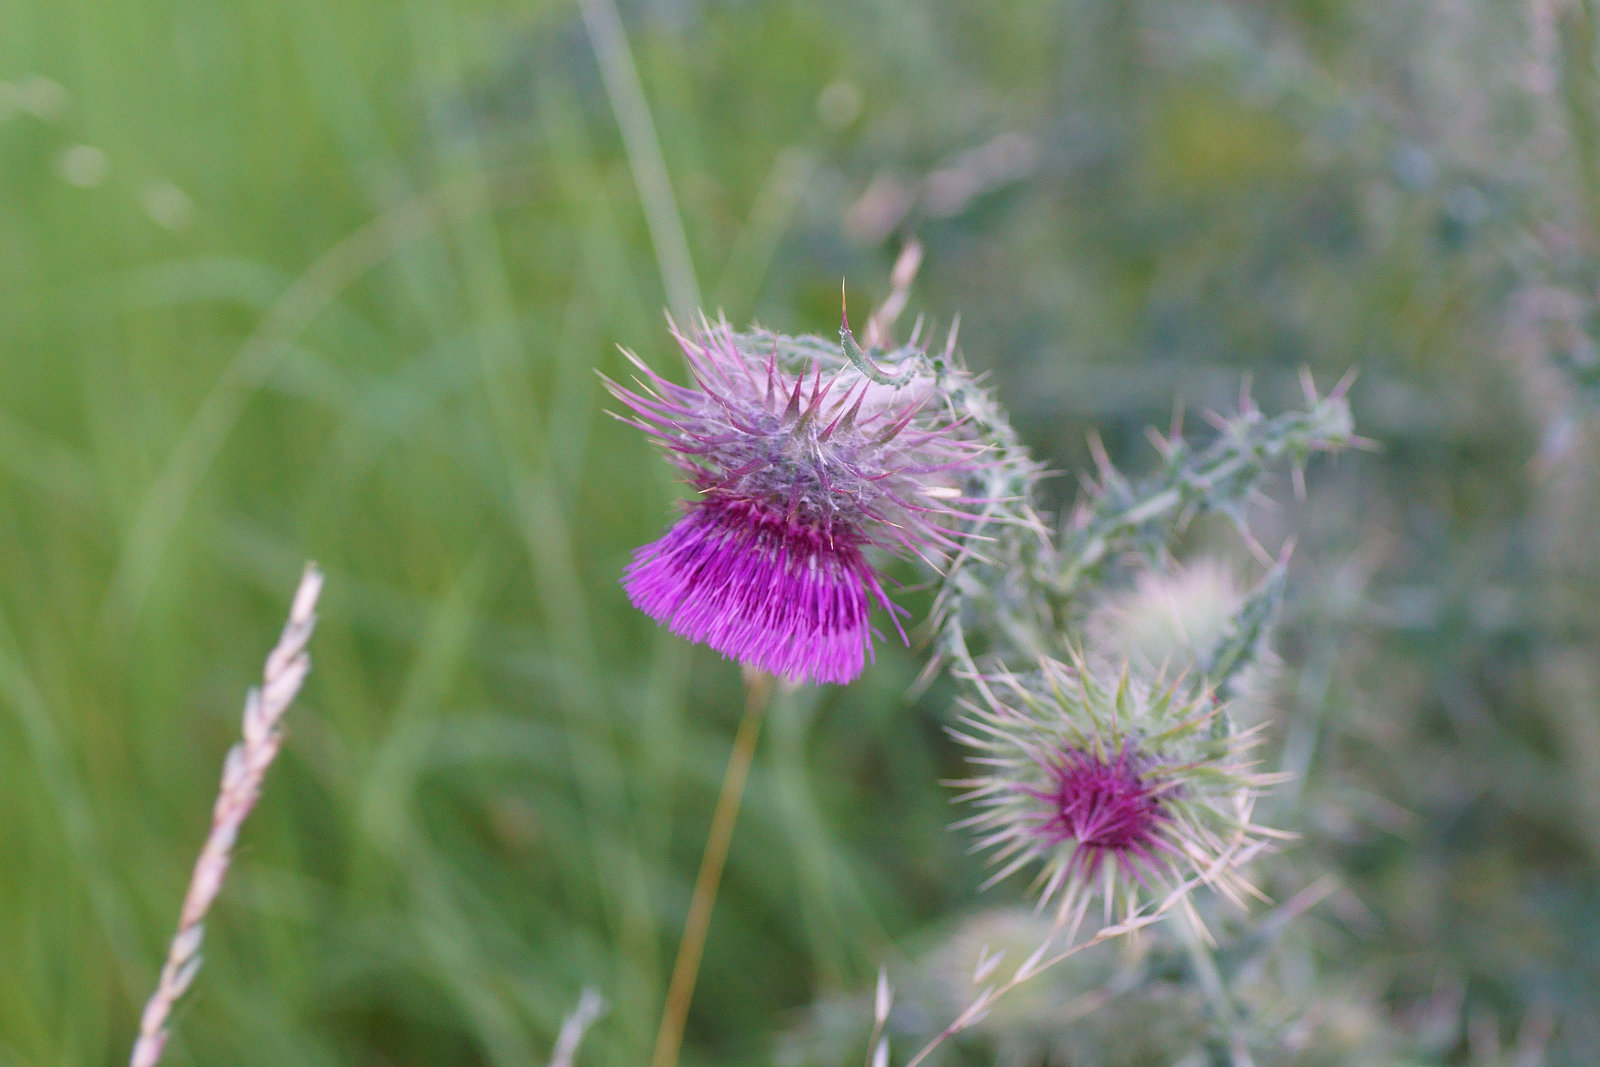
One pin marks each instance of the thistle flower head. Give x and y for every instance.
(1169, 617)
(1110, 786)
(802, 466)
(1103, 807)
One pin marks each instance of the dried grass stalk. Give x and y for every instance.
(242, 773)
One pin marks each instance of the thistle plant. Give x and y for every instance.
(1091, 767)
(1106, 777)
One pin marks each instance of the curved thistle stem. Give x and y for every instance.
(862, 360)
(686, 968)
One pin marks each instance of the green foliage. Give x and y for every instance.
(329, 280)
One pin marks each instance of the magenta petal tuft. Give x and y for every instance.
(760, 587)
(1106, 809)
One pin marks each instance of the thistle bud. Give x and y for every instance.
(1109, 787)
(1168, 619)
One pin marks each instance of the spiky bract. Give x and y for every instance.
(1112, 787)
(801, 464)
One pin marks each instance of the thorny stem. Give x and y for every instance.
(1218, 478)
(862, 360)
(686, 969)
(1216, 994)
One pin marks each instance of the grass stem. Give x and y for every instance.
(243, 772)
(686, 969)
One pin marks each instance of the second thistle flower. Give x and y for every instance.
(802, 466)
(1110, 786)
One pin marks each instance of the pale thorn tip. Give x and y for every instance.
(906, 265)
(1308, 386)
(1342, 386)
(1161, 443)
(955, 331)
(884, 998)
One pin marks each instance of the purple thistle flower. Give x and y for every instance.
(802, 465)
(1126, 789)
(1105, 810)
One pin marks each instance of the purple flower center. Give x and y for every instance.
(1105, 808)
(770, 588)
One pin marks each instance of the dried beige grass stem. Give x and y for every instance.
(242, 773)
(576, 1025)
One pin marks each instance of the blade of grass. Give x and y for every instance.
(649, 166)
(541, 521)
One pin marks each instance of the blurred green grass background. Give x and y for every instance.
(329, 280)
